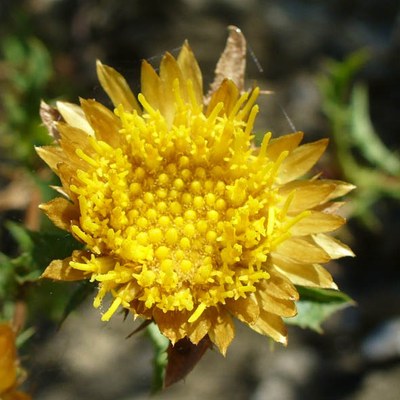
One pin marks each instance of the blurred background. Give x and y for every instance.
(334, 69)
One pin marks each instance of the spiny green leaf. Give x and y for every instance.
(364, 136)
(41, 247)
(160, 343)
(21, 235)
(316, 305)
(336, 83)
(47, 300)
(6, 276)
(323, 295)
(31, 276)
(52, 246)
(24, 336)
(77, 298)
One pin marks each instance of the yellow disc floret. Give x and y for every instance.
(186, 212)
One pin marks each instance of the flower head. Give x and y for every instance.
(9, 371)
(183, 220)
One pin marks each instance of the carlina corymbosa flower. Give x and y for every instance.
(184, 221)
(10, 373)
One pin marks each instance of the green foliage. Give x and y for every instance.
(19, 275)
(77, 297)
(25, 71)
(316, 305)
(363, 158)
(365, 138)
(160, 344)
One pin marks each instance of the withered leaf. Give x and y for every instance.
(232, 63)
(183, 357)
(50, 116)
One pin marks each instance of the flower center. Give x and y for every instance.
(183, 216)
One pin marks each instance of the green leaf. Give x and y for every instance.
(52, 246)
(335, 85)
(21, 235)
(7, 310)
(47, 300)
(40, 68)
(6, 276)
(160, 343)
(24, 336)
(78, 296)
(316, 305)
(40, 248)
(364, 136)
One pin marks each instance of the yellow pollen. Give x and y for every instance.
(138, 203)
(147, 278)
(151, 214)
(142, 222)
(167, 265)
(180, 254)
(179, 184)
(200, 173)
(220, 187)
(175, 208)
(202, 226)
(208, 249)
(162, 252)
(164, 221)
(162, 206)
(198, 202)
(148, 198)
(184, 161)
(186, 265)
(179, 221)
(171, 169)
(163, 179)
(171, 236)
(143, 238)
(135, 188)
(190, 215)
(133, 215)
(173, 194)
(213, 216)
(155, 235)
(185, 243)
(195, 187)
(210, 199)
(161, 193)
(189, 230)
(211, 236)
(187, 198)
(220, 205)
(186, 174)
(208, 185)
(140, 174)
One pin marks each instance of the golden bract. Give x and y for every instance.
(184, 221)
(9, 372)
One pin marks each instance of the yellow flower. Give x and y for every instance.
(184, 221)
(9, 373)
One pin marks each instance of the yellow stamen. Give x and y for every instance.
(196, 315)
